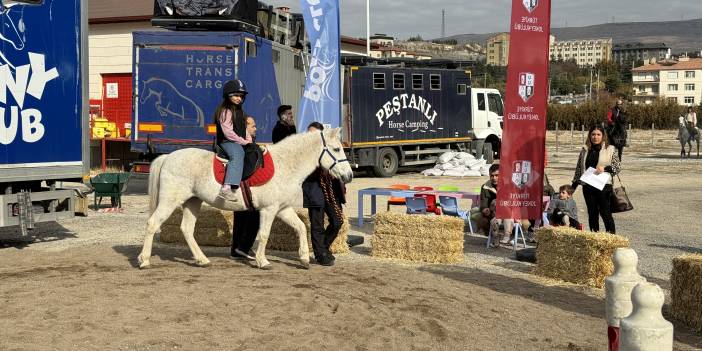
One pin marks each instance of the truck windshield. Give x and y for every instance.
(495, 104)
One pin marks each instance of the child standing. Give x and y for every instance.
(563, 210)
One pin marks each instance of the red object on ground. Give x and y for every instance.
(613, 336)
(431, 203)
(117, 99)
(261, 176)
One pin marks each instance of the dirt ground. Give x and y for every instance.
(74, 285)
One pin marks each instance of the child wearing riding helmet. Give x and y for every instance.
(232, 134)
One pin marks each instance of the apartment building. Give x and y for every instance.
(678, 81)
(586, 52)
(626, 52)
(498, 50)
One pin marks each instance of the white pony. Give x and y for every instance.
(185, 178)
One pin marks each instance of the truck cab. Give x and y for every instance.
(487, 113)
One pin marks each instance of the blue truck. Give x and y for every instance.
(178, 78)
(43, 104)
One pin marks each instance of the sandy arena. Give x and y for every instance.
(74, 286)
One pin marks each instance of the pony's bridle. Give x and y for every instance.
(326, 151)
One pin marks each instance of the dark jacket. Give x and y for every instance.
(488, 193)
(239, 123)
(568, 207)
(282, 131)
(312, 193)
(616, 131)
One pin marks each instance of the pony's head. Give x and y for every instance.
(10, 32)
(681, 121)
(333, 157)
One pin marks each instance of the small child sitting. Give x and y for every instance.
(563, 210)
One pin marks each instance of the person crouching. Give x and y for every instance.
(563, 210)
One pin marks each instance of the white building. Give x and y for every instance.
(679, 81)
(111, 24)
(587, 52)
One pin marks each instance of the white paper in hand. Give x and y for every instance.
(595, 180)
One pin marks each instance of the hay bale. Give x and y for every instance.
(686, 290)
(213, 227)
(576, 256)
(432, 239)
(284, 238)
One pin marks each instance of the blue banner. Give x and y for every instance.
(321, 101)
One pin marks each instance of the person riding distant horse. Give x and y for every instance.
(232, 134)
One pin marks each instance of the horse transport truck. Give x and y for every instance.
(43, 105)
(392, 115)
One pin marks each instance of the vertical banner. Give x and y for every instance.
(321, 99)
(526, 98)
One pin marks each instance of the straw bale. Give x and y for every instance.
(284, 238)
(576, 256)
(432, 239)
(213, 227)
(686, 290)
(435, 227)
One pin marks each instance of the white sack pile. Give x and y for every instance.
(458, 164)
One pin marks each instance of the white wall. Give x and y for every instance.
(110, 48)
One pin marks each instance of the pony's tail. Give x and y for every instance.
(154, 177)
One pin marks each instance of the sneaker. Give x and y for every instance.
(244, 255)
(325, 260)
(227, 195)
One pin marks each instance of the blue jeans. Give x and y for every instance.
(235, 167)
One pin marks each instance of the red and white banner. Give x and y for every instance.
(524, 136)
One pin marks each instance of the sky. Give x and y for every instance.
(405, 18)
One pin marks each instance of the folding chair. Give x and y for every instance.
(517, 231)
(416, 205)
(449, 207)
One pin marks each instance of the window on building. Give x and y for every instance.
(690, 100)
(435, 82)
(297, 63)
(481, 101)
(378, 80)
(461, 89)
(417, 82)
(275, 56)
(689, 87)
(689, 74)
(672, 87)
(672, 75)
(673, 99)
(398, 81)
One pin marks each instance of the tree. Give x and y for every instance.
(416, 38)
(612, 83)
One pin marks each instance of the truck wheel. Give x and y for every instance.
(487, 153)
(386, 164)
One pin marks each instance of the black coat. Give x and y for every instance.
(313, 195)
(282, 131)
(616, 131)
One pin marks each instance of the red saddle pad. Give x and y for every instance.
(261, 176)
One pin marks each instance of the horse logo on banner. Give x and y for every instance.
(530, 5)
(521, 173)
(526, 85)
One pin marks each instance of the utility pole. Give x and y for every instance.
(368, 53)
(590, 95)
(443, 23)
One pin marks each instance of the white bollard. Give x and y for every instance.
(646, 329)
(618, 287)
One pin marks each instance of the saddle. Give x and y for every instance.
(258, 169)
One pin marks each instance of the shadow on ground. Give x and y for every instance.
(11, 237)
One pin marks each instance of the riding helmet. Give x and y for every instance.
(234, 87)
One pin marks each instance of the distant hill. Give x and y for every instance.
(680, 36)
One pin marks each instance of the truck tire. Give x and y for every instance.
(487, 153)
(386, 163)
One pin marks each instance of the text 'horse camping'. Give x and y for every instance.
(185, 178)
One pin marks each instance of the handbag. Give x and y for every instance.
(619, 200)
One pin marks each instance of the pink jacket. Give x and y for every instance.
(225, 121)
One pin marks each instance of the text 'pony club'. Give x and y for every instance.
(19, 85)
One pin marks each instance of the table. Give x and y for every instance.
(374, 192)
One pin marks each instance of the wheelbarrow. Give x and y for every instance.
(109, 184)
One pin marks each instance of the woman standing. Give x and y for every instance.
(598, 154)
